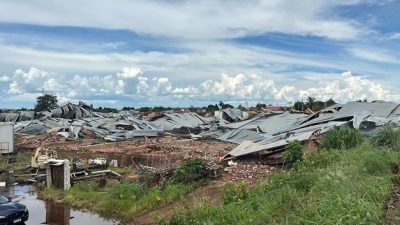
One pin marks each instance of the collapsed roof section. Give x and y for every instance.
(71, 120)
(347, 111)
(66, 111)
(17, 116)
(231, 115)
(265, 133)
(72, 111)
(273, 133)
(171, 121)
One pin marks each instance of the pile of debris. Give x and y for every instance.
(264, 134)
(248, 172)
(269, 134)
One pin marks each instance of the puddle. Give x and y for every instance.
(51, 213)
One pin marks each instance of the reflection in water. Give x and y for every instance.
(57, 213)
(49, 212)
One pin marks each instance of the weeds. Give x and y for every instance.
(125, 200)
(235, 193)
(343, 138)
(22, 160)
(327, 187)
(388, 136)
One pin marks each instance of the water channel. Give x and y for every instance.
(49, 212)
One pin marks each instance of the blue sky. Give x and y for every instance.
(181, 53)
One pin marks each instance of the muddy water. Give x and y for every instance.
(50, 213)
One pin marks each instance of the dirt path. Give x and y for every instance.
(210, 194)
(393, 208)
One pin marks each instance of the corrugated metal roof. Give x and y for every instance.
(173, 121)
(250, 147)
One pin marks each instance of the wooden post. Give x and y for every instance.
(58, 174)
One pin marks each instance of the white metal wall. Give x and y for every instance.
(6, 138)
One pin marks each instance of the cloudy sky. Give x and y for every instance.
(184, 52)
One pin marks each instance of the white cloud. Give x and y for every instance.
(208, 19)
(348, 87)
(4, 78)
(52, 85)
(129, 72)
(32, 75)
(113, 45)
(240, 87)
(393, 36)
(375, 55)
(163, 86)
(15, 89)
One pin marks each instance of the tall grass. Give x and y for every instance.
(388, 136)
(123, 200)
(342, 138)
(327, 187)
(22, 160)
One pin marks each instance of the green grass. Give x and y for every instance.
(122, 170)
(22, 160)
(327, 187)
(388, 136)
(342, 138)
(123, 200)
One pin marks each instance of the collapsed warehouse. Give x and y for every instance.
(164, 140)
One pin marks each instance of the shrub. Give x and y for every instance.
(235, 193)
(192, 170)
(388, 136)
(293, 153)
(343, 138)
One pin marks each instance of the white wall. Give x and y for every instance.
(7, 136)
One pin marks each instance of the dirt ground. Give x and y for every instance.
(159, 152)
(393, 208)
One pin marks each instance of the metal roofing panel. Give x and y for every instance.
(248, 147)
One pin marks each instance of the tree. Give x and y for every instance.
(212, 108)
(299, 106)
(260, 106)
(46, 102)
(227, 106)
(310, 102)
(128, 108)
(221, 104)
(241, 107)
(330, 102)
